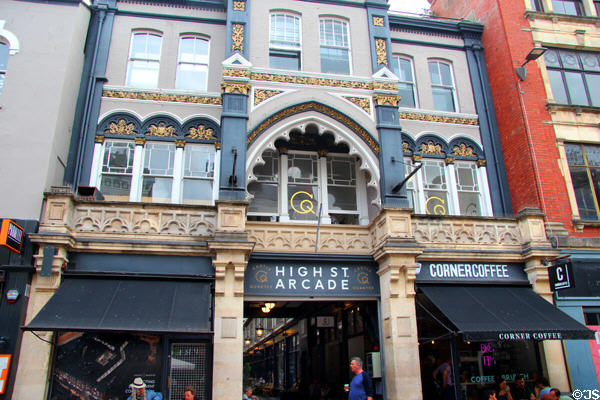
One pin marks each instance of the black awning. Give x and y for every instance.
(135, 305)
(503, 313)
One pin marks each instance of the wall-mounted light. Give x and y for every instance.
(267, 307)
(247, 341)
(259, 331)
(534, 54)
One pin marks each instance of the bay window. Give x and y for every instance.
(155, 172)
(308, 187)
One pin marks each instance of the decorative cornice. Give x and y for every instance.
(338, 83)
(176, 98)
(236, 73)
(261, 95)
(121, 128)
(378, 21)
(381, 50)
(314, 106)
(237, 37)
(386, 100)
(200, 132)
(438, 118)
(361, 102)
(239, 88)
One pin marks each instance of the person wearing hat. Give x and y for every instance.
(139, 392)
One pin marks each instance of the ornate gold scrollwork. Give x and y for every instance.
(406, 147)
(306, 205)
(431, 148)
(121, 128)
(200, 132)
(381, 50)
(229, 87)
(261, 95)
(121, 94)
(180, 143)
(237, 36)
(378, 21)
(463, 151)
(386, 100)
(438, 118)
(99, 139)
(435, 205)
(236, 73)
(162, 129)
(361, 102)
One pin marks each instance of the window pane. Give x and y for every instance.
(341, 198)
(195, 190)
(574, 154)
(590, 61)
(593, 84)
(446, 74)
(583, 193)
(407, 95)
(593, 155)
(303, 202)
(143, 74)
(405, 70)
(443, 99)
(576, 88)
(116, 185)
(265, 197)
(469, 203)
(156, 189)
(4, 51)
(551, 58)
(566, 7)
(436, 202)
(199, 161)
(159, 159)
(289, 61)
(558, 88)
(118, 157)
(434, 73)
(192, 77)
(302, 168)
(569, 59)
(335, 61)
(269, 170)
(154, 46)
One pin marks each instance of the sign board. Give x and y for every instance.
(561, 276)
(471, 272)
(311, 279)
(4, 367)
(11, 235)
(326, 322)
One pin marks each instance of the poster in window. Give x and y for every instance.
(100, 366)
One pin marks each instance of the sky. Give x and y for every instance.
(413, 6)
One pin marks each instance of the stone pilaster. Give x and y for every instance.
(231, 251)
(396, 256)
(33, 371)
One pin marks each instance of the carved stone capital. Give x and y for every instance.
(239, 88)
(386, 100)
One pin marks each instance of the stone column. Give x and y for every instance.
(396, 253)
(33, 373)
(538, 249)
(231, 251)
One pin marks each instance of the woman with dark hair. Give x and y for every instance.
(503, 390)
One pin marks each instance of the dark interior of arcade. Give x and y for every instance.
(302, 350)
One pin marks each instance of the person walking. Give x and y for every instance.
(361, 387)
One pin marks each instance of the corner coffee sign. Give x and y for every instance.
(314, 279)
(471, 272)
(11, 236)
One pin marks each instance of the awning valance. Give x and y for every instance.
(135, 305)
(492, 313)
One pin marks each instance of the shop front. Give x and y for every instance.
(306, 316)
(483, 322)
(118, 317)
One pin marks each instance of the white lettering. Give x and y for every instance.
(331, 284)
(559, 274)
(318, 271)
(334, 272)
(306, 284)
(279, 271)
(279, 284)
(292, 284)
(345, 269)
(344, 284)
(319, 285)
(302, 271)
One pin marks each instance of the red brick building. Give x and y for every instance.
(549, 121)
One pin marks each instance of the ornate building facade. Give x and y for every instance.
(254, 206)
(548, 117)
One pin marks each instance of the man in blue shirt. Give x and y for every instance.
(139, 392)
(361, 387)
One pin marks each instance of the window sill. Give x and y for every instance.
(577, 109)
(579, 224)
(532, 15)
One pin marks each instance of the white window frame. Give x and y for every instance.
(452, 87)
(397, 58)
(131, 59)
(322, 190)
(293, 46)
(346, 25)
(417, 186)
(3, 71)
(178, 176)
(203, 62)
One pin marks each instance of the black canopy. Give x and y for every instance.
(137, 305)
(492, 313)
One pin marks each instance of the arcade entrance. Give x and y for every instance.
(302, 350)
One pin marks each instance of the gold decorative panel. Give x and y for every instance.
(361, 102)
(463, 151)
(201, 133)
(237, 36)
(386, 100)
(122, 94)
(378, 21)
(381, 50)
(261, 95)
(121, 128)
(161, 129)
(240, 88)
(236, 73)
(338, 83)
(438, 118)
(239, 6)
(431, 148)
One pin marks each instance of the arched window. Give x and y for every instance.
(144, 60)
(442, 86)
(192, 64)
(402, 66)
(285, 47)
(335, 46)
(4, 51)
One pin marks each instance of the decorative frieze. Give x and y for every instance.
(318, 81)
(261, 95)
(176, 98)
(463, 231)
(438, 118)
(361, 102)
(161, 130)
(386, 100)
(235, 88)
(236, 73)
(200, 132)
